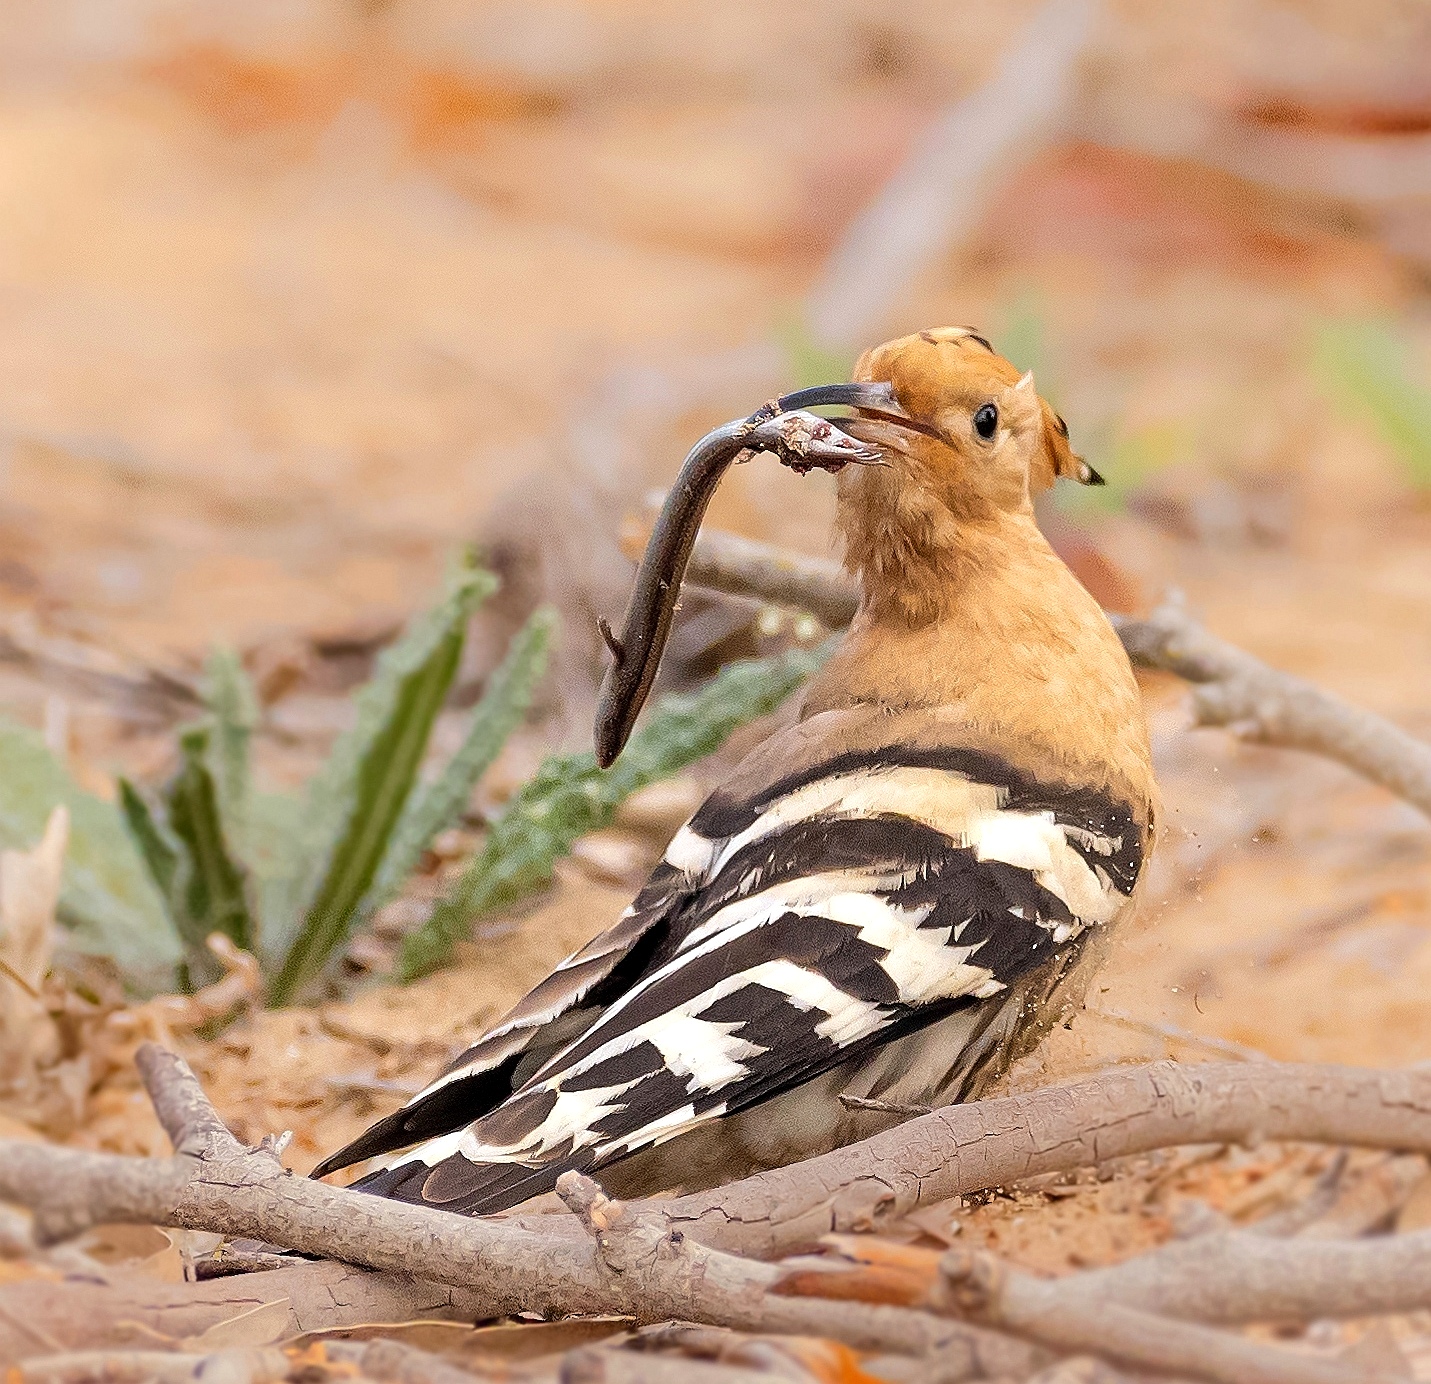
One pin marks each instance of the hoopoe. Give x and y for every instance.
(892, 897)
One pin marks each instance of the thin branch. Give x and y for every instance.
(1185, 1037)
(1064, 1315)
(1259, 703)
(884, 1107)
(1233, 689)
(742, 567)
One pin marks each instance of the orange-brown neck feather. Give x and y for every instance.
(968, 613)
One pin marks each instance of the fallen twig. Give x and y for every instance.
(953, 1151)
(1227, 1277)
(1065, 1315)
(1242, 1276)
(214, 1183)
(1185, 1037)
(1089, 1312)
(604, 1365)
(935, 197)
(264, 1366)
(743, 567)
(663, 1259)
(1233, 689)
(1259, 703)
(129, 1311)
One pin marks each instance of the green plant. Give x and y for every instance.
(569, 796)
(292, 878)
(1370, 369)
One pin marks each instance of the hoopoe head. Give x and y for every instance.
(968, 442)
(975, 431)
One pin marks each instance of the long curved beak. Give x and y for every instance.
(871, 400)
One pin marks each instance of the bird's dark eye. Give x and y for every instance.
(986, 419)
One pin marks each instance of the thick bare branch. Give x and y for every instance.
(131, 1312)
(545, 1262)
(1225, 1276)
(1238, 1276)
(969, 1148)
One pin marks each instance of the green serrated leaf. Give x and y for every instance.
(233, 705)
(569, 796)
(209, 891)
(435, 808)
(1371, 370)
(384, 782)
(108, 903)
(305, 856)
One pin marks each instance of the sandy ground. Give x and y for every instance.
(284, 314)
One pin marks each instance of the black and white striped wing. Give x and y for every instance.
(787, 930)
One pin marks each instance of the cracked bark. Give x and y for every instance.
(970, 1148)
(214, 1183)
(550, 1263)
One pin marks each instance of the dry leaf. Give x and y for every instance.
(29, 894)
(259, 1326)
(138, 1249)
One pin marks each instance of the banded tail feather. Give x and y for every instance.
(874, 919)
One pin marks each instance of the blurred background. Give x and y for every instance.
(299, 296)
